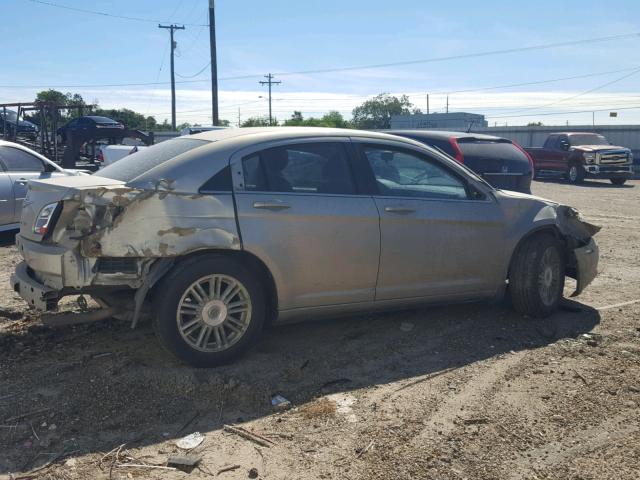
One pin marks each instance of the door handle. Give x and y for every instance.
(270, 205)
(399, 209)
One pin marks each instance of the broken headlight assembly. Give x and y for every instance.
(45, 219)
(590, 157)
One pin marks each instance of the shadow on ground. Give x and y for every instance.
(103, 385)
(590, 183)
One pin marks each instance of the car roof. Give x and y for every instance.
(576, 133)
(265, 134)
(445, 135)
(97, 118)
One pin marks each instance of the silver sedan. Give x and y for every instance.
(213, 236)
(18, 165)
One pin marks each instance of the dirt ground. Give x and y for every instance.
(470, 391)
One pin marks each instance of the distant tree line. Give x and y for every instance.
(374, 113)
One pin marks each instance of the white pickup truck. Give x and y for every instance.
(112, 153)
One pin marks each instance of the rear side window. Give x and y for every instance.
(142, 161)
(302, 168)
(480, 150)
(16, 160)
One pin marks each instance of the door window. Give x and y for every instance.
(302, 168)
(407, 174)
(16, 160)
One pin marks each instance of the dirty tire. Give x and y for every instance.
(575, 174)
(184, 284)
(536, 277)
(618, 181)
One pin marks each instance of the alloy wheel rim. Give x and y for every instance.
(549, 276)
(213, 313)
(573, 173)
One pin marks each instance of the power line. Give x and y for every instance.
(365, 67)
(195, 74)
(466, 55)
(111, 15)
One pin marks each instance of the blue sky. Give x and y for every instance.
(49, 46)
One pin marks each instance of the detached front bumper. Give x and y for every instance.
(586, 259)
(36, 294)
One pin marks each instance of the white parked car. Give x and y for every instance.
(112, 153)
(18, 165)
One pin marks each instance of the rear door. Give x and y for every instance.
(440, 239)
(21, 167)
(300, 211)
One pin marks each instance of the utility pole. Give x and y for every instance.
(171, 29)
(239, 122)
(214, 63)
(447, 103)
(427, 104)
(270, 82)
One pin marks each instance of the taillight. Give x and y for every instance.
(44, 219)
(101, 157)
(527, 154)
(458, 155)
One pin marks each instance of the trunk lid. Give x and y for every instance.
(56, 190)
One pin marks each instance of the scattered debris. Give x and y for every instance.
(361, 452)
(228, 468)
(278, 402)
(181, 429)
(252, 436)
(191, 441)
(186, 463)
(320, 408)
(406, 326)
(475, 421)
(344, 403)
(253, 473)
(581, 377)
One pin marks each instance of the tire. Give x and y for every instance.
(575, 174)
(536, 276)
(216, 337)
(618, 181)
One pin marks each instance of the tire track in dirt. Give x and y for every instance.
(471, 396)
(555, 453)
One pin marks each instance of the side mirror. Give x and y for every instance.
(564, 146)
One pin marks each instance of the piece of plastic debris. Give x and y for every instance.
(278, 402)
(253, 473)
(190, 441)
(186, 463)
(406, 326)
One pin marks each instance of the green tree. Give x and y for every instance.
(257, 122)
(377, 112)
(332, 119)
(535, 124)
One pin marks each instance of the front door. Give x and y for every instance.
(301, 213)
(439, 239)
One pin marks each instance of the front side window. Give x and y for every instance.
(302, 168)
(406, 174)
(16, 160)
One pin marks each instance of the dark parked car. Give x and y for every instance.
(501, 162)
(93, 126)
(9, 122)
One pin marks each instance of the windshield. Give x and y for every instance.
(11, 115)
(587, 139)
(134, 165)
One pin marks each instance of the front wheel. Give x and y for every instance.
(209, 310)
(575, 174)
(618, 181)
(536, 277)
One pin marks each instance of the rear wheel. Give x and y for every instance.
(575, 173)
(536, 277)
(210, 310)
(618, 181)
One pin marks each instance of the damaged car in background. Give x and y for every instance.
(216, 235)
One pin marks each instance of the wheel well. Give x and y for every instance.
(254, 264)
(545, 230)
